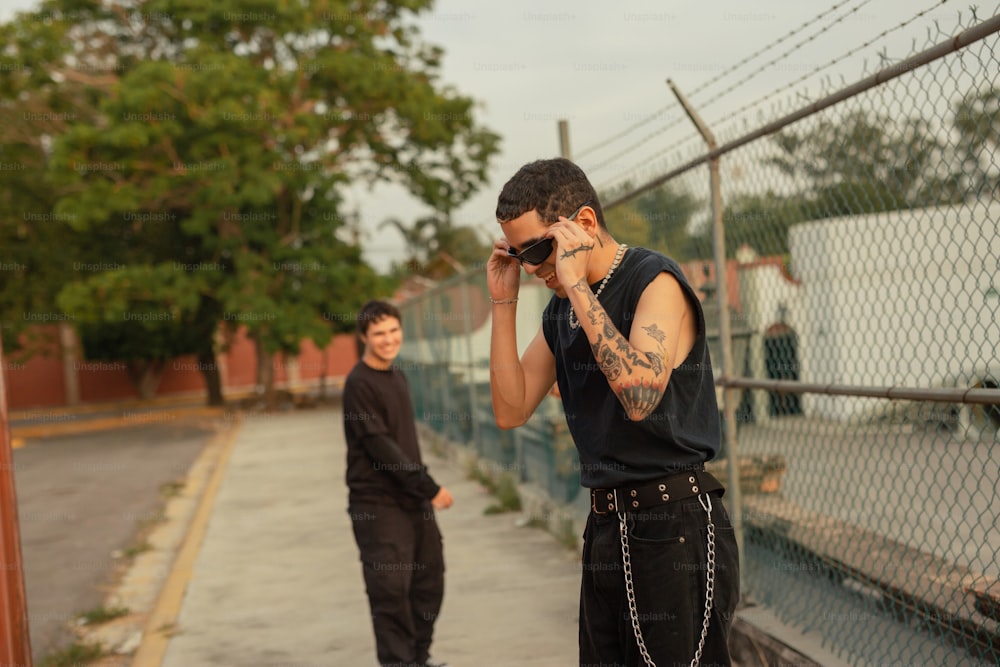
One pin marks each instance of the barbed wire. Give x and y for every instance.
(770, 63)
(785, 55)
(625, 151)
(623, 133)
(813, 72)
(635, 126)
(784, 88)
(767, 48)
(626, 173)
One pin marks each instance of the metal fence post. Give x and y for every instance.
(725, 335)
(15, 646)
(470, 365)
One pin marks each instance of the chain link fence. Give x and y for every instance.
(446, 357)
(860, 282)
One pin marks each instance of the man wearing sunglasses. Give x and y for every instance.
(624, 338)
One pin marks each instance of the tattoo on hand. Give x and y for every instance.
(569, 253)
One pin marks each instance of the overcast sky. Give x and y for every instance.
(603, 66)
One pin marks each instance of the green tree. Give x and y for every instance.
(236, 130)
(142, 315)
(760, 221)
(865, 163)
(36, 255)
(628, 225)
(669, 212)
(660, 219)
(977, 119)
(437, 248)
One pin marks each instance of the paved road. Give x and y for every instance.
(81, 498)
(929, 490)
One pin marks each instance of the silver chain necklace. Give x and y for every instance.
(575, 323)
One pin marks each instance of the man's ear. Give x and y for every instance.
(587, 219)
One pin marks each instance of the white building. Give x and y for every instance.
(902, 298)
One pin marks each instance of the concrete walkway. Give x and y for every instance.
(275, 579)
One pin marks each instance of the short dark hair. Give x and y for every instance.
(551, 187)
(375, 311)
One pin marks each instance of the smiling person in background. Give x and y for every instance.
(392, 498)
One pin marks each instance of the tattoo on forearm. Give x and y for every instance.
(640, 398)
(611, 364)
(569, 253)
(619, 360)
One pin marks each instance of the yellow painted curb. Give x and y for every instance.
(125, 420)
(162, 620)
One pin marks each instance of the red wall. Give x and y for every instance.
(40, 381)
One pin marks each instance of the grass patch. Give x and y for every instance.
(171, 489)
(137, 549)
(73, 656)
(508, 499)
(169, 630)
(504, 487)
(148, 521)
(437, 447)
(564, 531)
(477, 473)
(566, 535)
(99, 615)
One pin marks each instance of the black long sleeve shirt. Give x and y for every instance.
(383, 453)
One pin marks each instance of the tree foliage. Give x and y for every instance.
(437, 248)
(864, 163)
(977, 120)
(221, 134)
(660, 219)
(144, 315)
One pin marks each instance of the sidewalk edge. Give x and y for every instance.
(156, 633)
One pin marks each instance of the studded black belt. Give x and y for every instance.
(643, 495)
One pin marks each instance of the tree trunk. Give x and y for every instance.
(145, 376)
(322, 378)
(265, 374)
(213, 379)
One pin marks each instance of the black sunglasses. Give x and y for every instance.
(538, 252)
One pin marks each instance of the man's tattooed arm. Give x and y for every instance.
(638, 378)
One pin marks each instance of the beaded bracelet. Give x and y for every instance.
(498, 302)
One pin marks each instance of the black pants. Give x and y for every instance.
(403, 566)
(667, 548)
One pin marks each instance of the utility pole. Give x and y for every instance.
(564, 139)
(15, 647)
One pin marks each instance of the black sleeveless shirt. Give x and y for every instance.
(680, 434)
